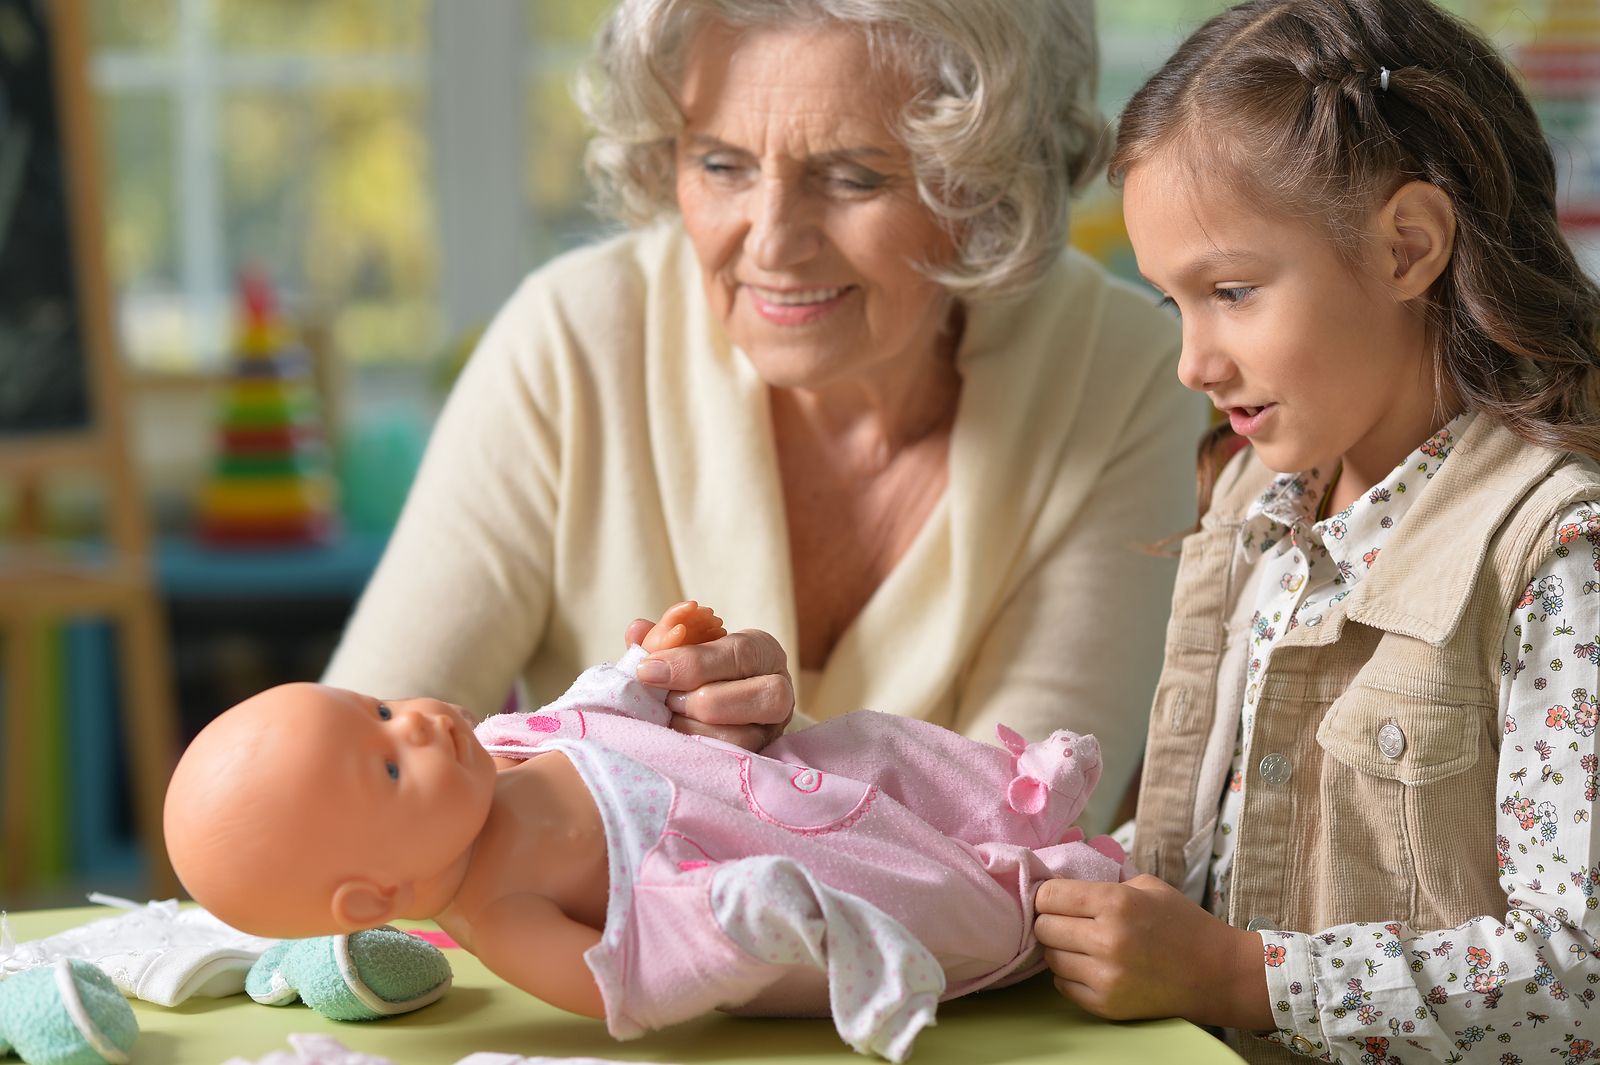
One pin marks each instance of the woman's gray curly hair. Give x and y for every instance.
(1002, 127)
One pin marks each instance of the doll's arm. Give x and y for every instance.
(526, 940)
(683, 623)
(610, 689)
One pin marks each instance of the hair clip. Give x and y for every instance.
(1383, 79)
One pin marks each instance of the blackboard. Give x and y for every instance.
(44, 369)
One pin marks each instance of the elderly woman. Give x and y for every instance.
(841, 380)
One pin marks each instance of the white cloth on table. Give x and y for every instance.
(155, 952)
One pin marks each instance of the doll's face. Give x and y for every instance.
(407, 776)
(304, 788)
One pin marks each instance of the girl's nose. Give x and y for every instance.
(780, 234)
(1202, 364)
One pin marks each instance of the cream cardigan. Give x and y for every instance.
(607, 452)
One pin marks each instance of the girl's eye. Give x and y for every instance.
(1167, 303)
(1236, 294)
(384, 713)
(393, 770)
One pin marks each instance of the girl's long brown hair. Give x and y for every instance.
(1284, 100)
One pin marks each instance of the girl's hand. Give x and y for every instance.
(1143, 949)
(735, 688)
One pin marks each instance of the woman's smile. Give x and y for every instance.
(796, 306)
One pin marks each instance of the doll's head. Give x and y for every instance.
(308, 810)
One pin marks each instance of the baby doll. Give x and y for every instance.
(868, 867)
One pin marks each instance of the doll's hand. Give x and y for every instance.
(683, 623)
(1143, 949)
(735, 688)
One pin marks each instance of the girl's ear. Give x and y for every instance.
(1418, 230)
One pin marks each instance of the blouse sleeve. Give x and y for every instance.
(1512, 987)
(459, 599)
(1078, 643)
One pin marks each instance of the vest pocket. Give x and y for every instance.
(1404, 738)
(1397, 810)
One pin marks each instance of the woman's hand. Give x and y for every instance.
(1143, 949)
(735, 689)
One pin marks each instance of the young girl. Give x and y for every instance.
(1373, 756)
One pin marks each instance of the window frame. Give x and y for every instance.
(472, 70)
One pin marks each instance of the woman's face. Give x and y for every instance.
(802, 208)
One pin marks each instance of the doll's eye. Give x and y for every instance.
(384, 713)
(394, 770)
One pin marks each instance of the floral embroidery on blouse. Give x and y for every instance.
(1508, 988)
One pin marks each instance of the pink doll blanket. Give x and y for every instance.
(868, 867)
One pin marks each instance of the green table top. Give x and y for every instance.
(1023, 1024)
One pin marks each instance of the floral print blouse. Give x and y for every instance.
(1509, 988)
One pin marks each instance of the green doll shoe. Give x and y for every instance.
(363, 976)
(67, 1013)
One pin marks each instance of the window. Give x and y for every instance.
(397, 165)
(560, 36)
(288, 137)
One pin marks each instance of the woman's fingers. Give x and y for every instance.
(750, 737)
(736, 688)
(763, 700)
(747, 713)
(741, 655)
(638, 628)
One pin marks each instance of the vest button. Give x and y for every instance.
(1260, 924)
(1275, 768)
(1391, 740)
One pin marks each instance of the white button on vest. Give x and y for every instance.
(1391, 740)
(1275, 768)
(1260, 924)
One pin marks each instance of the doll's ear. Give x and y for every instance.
(1026, 795)
(1010, 739)
(359, 903)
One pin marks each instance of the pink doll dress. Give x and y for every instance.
(868, 868)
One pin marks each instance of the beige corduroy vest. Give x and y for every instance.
(1336, 826)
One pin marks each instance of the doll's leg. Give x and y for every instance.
(883, 984)
(975, 792)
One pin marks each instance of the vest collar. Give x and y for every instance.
(1420, 589)
(1417, 588)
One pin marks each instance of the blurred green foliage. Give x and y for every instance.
(323, 163)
